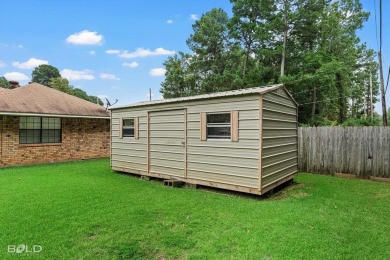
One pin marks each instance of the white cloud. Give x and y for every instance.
(156, 72)
(85, 38)
(92, 52)
(169, 21)
(77, 74)
(15, 76)
(141, 52)
(5, 45)
(108, 76)
(130, 64)
(2, 64)
(194, 17)
(30, 64)
(162, 51)
(113, 51)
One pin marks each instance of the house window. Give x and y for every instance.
(37, 130)
(219, 126)
(128, 128)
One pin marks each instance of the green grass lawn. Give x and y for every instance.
(82, 210)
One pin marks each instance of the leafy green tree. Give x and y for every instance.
(61, 84)
(311, 46)
(4, 83)
(179, 80)
(43, 73)
(212, 66)
(83, 95)
(328, 53)
(360, 87)
(250, 26)
(377, 121)
(388, 115)
(96, 100)
(50, 76)
(210, 44)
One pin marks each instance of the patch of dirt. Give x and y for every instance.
(92, 236)
(285, 191)
(381, 195)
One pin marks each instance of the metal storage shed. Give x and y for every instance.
(243, 140)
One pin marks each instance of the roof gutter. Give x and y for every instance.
(51, 115)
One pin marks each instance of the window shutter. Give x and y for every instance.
(234, 126)
(136, 133)
(120, 127)
(203, 127)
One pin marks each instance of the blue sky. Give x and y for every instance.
(114, 48)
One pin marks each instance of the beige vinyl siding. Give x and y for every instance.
(226, 151)
(225, 178)
(279, 151)
(224, 161)
(176, 150)
(274, 151)
(128, 152)
(167, 138)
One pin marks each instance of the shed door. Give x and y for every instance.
(167, 142)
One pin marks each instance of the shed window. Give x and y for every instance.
(219, 126)
(36, 130)
(128, 127)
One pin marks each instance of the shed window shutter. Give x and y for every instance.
(120, 127)
(203, 127)
(234, 126)
(136, 132)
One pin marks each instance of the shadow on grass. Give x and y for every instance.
(286, 190)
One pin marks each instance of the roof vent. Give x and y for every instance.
(14, 84)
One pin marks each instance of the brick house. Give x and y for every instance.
(39, 124)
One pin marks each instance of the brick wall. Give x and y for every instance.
(82, 138)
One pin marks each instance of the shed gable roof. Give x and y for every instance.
(246, 91)
(35, 98)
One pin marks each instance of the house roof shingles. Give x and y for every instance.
(3, 90)
(35, 98)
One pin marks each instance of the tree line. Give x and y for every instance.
(50, 76)
(309, 45)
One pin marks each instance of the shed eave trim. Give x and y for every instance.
(250, 91)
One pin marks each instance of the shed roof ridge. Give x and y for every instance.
(236, 92)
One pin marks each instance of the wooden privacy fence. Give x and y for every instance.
(362, 151)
